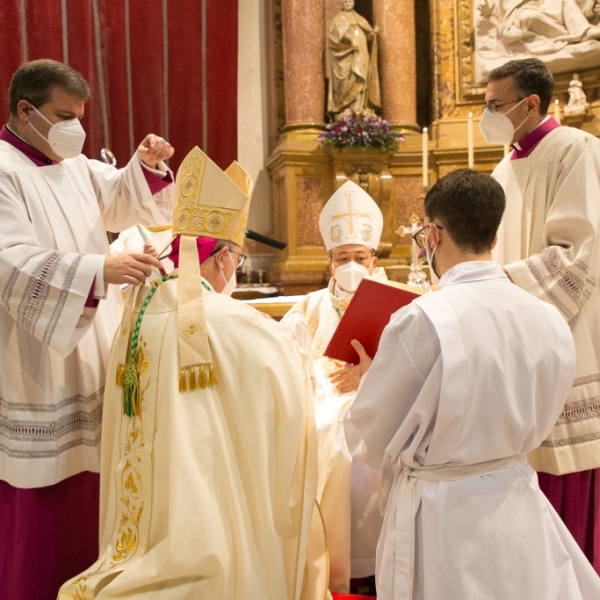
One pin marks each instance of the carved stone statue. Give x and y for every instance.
(547, 26)
(352, 69)
(564, 34)
(577, 100)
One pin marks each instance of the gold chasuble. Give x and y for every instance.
(208, 482)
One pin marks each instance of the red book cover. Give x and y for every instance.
(367, 315)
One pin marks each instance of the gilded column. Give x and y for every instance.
(397, 59)
(303, 40)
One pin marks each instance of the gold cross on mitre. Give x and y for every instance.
(350, 215)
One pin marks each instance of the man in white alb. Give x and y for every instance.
(351, 225)
(467, 380)
(55, 327)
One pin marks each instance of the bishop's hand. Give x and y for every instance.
(347, 379)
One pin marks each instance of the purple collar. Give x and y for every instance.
(524, 147)
(33, 154)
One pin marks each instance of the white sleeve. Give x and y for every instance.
(407, 353)
(125, 199)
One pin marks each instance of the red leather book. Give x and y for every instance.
(367, 315)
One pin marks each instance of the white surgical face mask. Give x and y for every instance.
(231, 283)
(497, 128)
(349, 275)
(65, 137)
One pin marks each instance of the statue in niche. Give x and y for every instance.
(577, 100)
(564, 34)
(351, 69)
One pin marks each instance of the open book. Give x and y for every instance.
(372, 306)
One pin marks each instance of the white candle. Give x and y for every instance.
(557, 111)
(425, 139)
(471, 154)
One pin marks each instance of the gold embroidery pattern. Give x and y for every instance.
(192, 216)
(191, 330)
(349, 216)
(126, 534)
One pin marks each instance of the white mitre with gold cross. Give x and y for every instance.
(209, 203)
(351, 216)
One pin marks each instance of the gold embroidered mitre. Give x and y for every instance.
(211, 202)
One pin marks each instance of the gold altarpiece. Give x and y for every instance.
(428, 79)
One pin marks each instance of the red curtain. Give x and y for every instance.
(154, 66)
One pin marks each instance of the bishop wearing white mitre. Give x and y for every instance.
(351, 224)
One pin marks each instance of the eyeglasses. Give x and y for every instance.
(243, 258)
(420, 236)
(492, 107)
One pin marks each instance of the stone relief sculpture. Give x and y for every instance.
(562, 33)
(351, 67)
(577, 99)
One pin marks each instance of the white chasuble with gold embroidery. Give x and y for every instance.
(549, 243)
(347, 492)
(208, 493)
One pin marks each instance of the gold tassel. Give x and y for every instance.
(212, 379)
(120, 374)
(131, 390)
(203, 378)
(192, 379)
(182, 384)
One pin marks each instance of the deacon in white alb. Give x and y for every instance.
(351, 225)
(467, 380)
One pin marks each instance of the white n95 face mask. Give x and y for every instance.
(349, 276)
(65, 137)
(497, 128)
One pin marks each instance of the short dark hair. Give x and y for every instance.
(530, 76)
(33, 81)
(469, 205)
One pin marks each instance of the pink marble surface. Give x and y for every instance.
(408, 201)
(309, 205)
(303, 43)
(397, 59)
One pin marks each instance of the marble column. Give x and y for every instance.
(397, 59)
(304, 79)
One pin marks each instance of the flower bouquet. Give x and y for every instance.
(360, 130)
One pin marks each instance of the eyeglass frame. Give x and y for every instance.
(240, 263)
(242, 259)
(488, 106)
(421, 231)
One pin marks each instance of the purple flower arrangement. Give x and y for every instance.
(364, 130)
